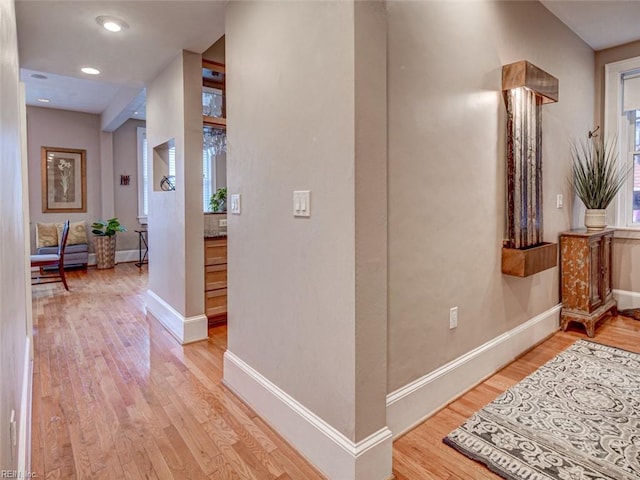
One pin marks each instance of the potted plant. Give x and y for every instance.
(596, 177)
(104, 241)
(218, 201)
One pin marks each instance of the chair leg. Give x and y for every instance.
(64, 279)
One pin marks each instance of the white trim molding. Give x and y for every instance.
(412, 404)
(627, 233)
(24, 434)
(626, 299)
(184, 329)
(328, 449)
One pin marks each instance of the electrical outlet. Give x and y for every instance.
(453, 318)
(559, 201)
(222, 222)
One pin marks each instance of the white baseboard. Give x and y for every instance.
(412, 404)
(184, 329)
(24, 433)
(626, 299)
(328, 449)
(122, 256)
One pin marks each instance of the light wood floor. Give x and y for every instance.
(420, 454)
(114, 396)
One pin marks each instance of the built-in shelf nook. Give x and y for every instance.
(213, 81)
(526, 88)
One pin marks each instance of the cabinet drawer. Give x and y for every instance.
(216, 302)
(215, 276)
(215, 251)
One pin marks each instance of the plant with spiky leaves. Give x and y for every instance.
(597, 176)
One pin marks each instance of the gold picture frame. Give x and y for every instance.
(64, 180)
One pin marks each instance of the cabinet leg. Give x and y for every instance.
(564, 323)
(590, 327)
(614, 311)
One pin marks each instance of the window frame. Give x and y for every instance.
(143, 190)
(617, 125)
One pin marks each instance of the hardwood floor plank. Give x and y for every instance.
(114, 396)
(420, 453)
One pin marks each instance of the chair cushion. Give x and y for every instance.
(45, 258)
(46, 235)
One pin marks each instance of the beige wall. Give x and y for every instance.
(626, 253)
(125, 160)
(176, 230)
(306, 111)
(216, 51)
(447, 175)
(15, 325)
(602, 57)
(65, 129)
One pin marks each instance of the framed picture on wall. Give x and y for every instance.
(64, 180)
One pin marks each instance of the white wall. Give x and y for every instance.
(15, 324)
(447, 176)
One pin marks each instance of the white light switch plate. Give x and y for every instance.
(235, 203)
(302, 203)
(222, 222)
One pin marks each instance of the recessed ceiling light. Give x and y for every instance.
(39, 76)
(113, 24)
(43, 100)
(90, 71)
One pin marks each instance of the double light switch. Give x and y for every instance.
(301, 203)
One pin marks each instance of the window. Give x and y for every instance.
(622, 122)
(208, 175)
(633, 141)
(143, 176)
(214, 150)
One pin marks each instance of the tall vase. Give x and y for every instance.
(105, 248)
(594, 219)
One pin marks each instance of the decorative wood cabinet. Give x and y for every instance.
(215, 279)
(585, 264)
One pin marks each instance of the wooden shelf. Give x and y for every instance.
(214, 76)
(213, 84)
(213, 66)
(529, 261)
(216, 122)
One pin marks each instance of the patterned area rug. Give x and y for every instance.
(575, 418)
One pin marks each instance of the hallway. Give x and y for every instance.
(116, 397)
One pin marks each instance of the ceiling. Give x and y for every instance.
(600, 23)
(57, 38)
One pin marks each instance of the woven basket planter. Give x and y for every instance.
(105, 248)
